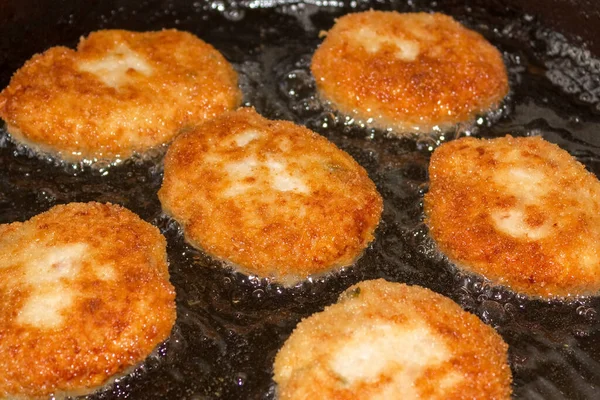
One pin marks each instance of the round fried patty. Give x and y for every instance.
(120, 93)
(386, 341)
(273, 198)
(519, 211)
(85, 296)
(413, 72)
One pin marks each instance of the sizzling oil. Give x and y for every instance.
(230, 326)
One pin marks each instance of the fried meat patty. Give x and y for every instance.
(120, 93)
(413, 72)
(85, 297)
(385, 340)
(272, 198)
(519, 211)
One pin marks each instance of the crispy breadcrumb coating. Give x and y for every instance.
(85, 297)
(120, 93)
(385, 340)
(273, 198)
(413, 72)
(519, 211)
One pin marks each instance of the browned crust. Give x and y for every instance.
(264, 231)
(456, 76)
(478, 353)
(56, 108)
(462, 197)
(111, 325)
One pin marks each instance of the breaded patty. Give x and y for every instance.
(519, 211)
(120, 93)
(272, 198)
(413, 72)
(85, 296)
(386, 341)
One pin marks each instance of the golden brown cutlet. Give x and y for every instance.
(86, 297)
(120, 93)
(413, 72)
(272, 198)
(520, 211)
(385, 340)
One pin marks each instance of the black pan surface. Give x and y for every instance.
(230, 326)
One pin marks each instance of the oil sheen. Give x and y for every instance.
(230, 326)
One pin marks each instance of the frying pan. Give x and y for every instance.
(229, 325)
